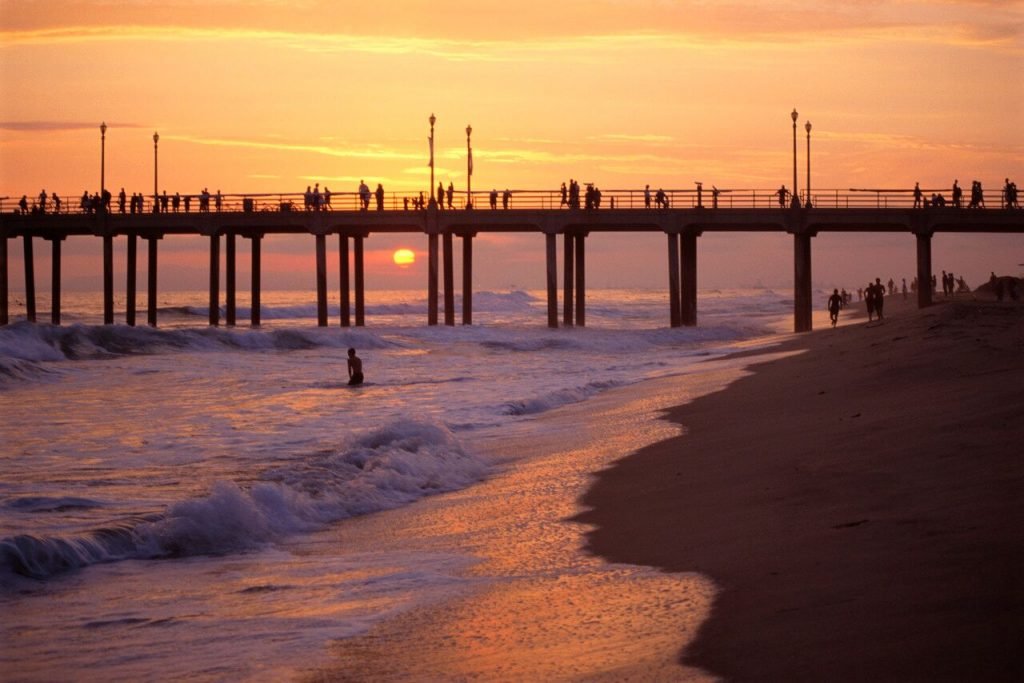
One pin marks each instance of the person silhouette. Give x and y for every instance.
(451, 194)
(783, 193)
(918, 196)
(835, 302)
(494, 199)
(379, 194)
(355, 369)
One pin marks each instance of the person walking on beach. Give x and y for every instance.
(835, 302)
(355, 369)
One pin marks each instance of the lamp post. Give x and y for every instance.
(432, 202)
(156, 198)
(469, 168)
(103, 159)
(794, 115)
(807, 191)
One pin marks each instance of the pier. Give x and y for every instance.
(687, 216)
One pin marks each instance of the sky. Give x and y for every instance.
(272, 96)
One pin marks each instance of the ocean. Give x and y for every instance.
(217, 504)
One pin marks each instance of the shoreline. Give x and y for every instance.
(861, 513)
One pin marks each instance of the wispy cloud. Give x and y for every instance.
(31, 126)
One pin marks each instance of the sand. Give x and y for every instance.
(858, 503)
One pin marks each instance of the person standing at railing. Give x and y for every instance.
(56, 203)
(494, 198)
(565, 196)
(647, 196)
(327, 199)
(451, 195)
(957, 195)
(42, 201)
(23, 203)
(714, 197)
(440, 195)
(121, 197)
(918, 196)
(782, 192)
(505, 198)
(163, 201)
(379, 194)
(364, 195)
(1010, 195)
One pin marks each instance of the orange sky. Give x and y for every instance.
(273, 96)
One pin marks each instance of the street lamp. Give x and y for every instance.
(430, 194)
(794, 115)
(156, 198)
(103, 159)
(807, 199)
(469, 169)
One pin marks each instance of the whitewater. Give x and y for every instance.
(182, 489)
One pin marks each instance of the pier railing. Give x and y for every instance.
(506, 199)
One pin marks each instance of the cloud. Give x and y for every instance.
(33, 126)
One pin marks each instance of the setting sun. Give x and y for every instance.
(404, 257)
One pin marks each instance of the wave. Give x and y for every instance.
(381, 469)
(555, 399)
(23, 345)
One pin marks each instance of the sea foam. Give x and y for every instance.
(377, 470)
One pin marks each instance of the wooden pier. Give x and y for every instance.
(543, 217)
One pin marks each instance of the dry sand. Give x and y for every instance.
(858, 504)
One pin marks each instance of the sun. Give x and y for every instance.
(404, 257)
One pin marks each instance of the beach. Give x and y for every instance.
(857, 504)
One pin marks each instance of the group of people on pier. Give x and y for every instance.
(977, 198)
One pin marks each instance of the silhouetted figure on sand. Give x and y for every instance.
(355, 369)
(835, 302)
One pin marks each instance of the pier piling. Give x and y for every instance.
(257, 266)
(802, 295)
(357, 243)
(55, 279)
(343, 278)
(229, 275)
(552, 278)
(4, 285)
(130, 281)
(215, 279)
(432, 279)
(151, 280)
(108, 279)
(581, 280)
(449, 279)
(467, 279)
(321, 280)
(568, 277)
(673, 280)
(924, 270)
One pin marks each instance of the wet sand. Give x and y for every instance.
(858, 504)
